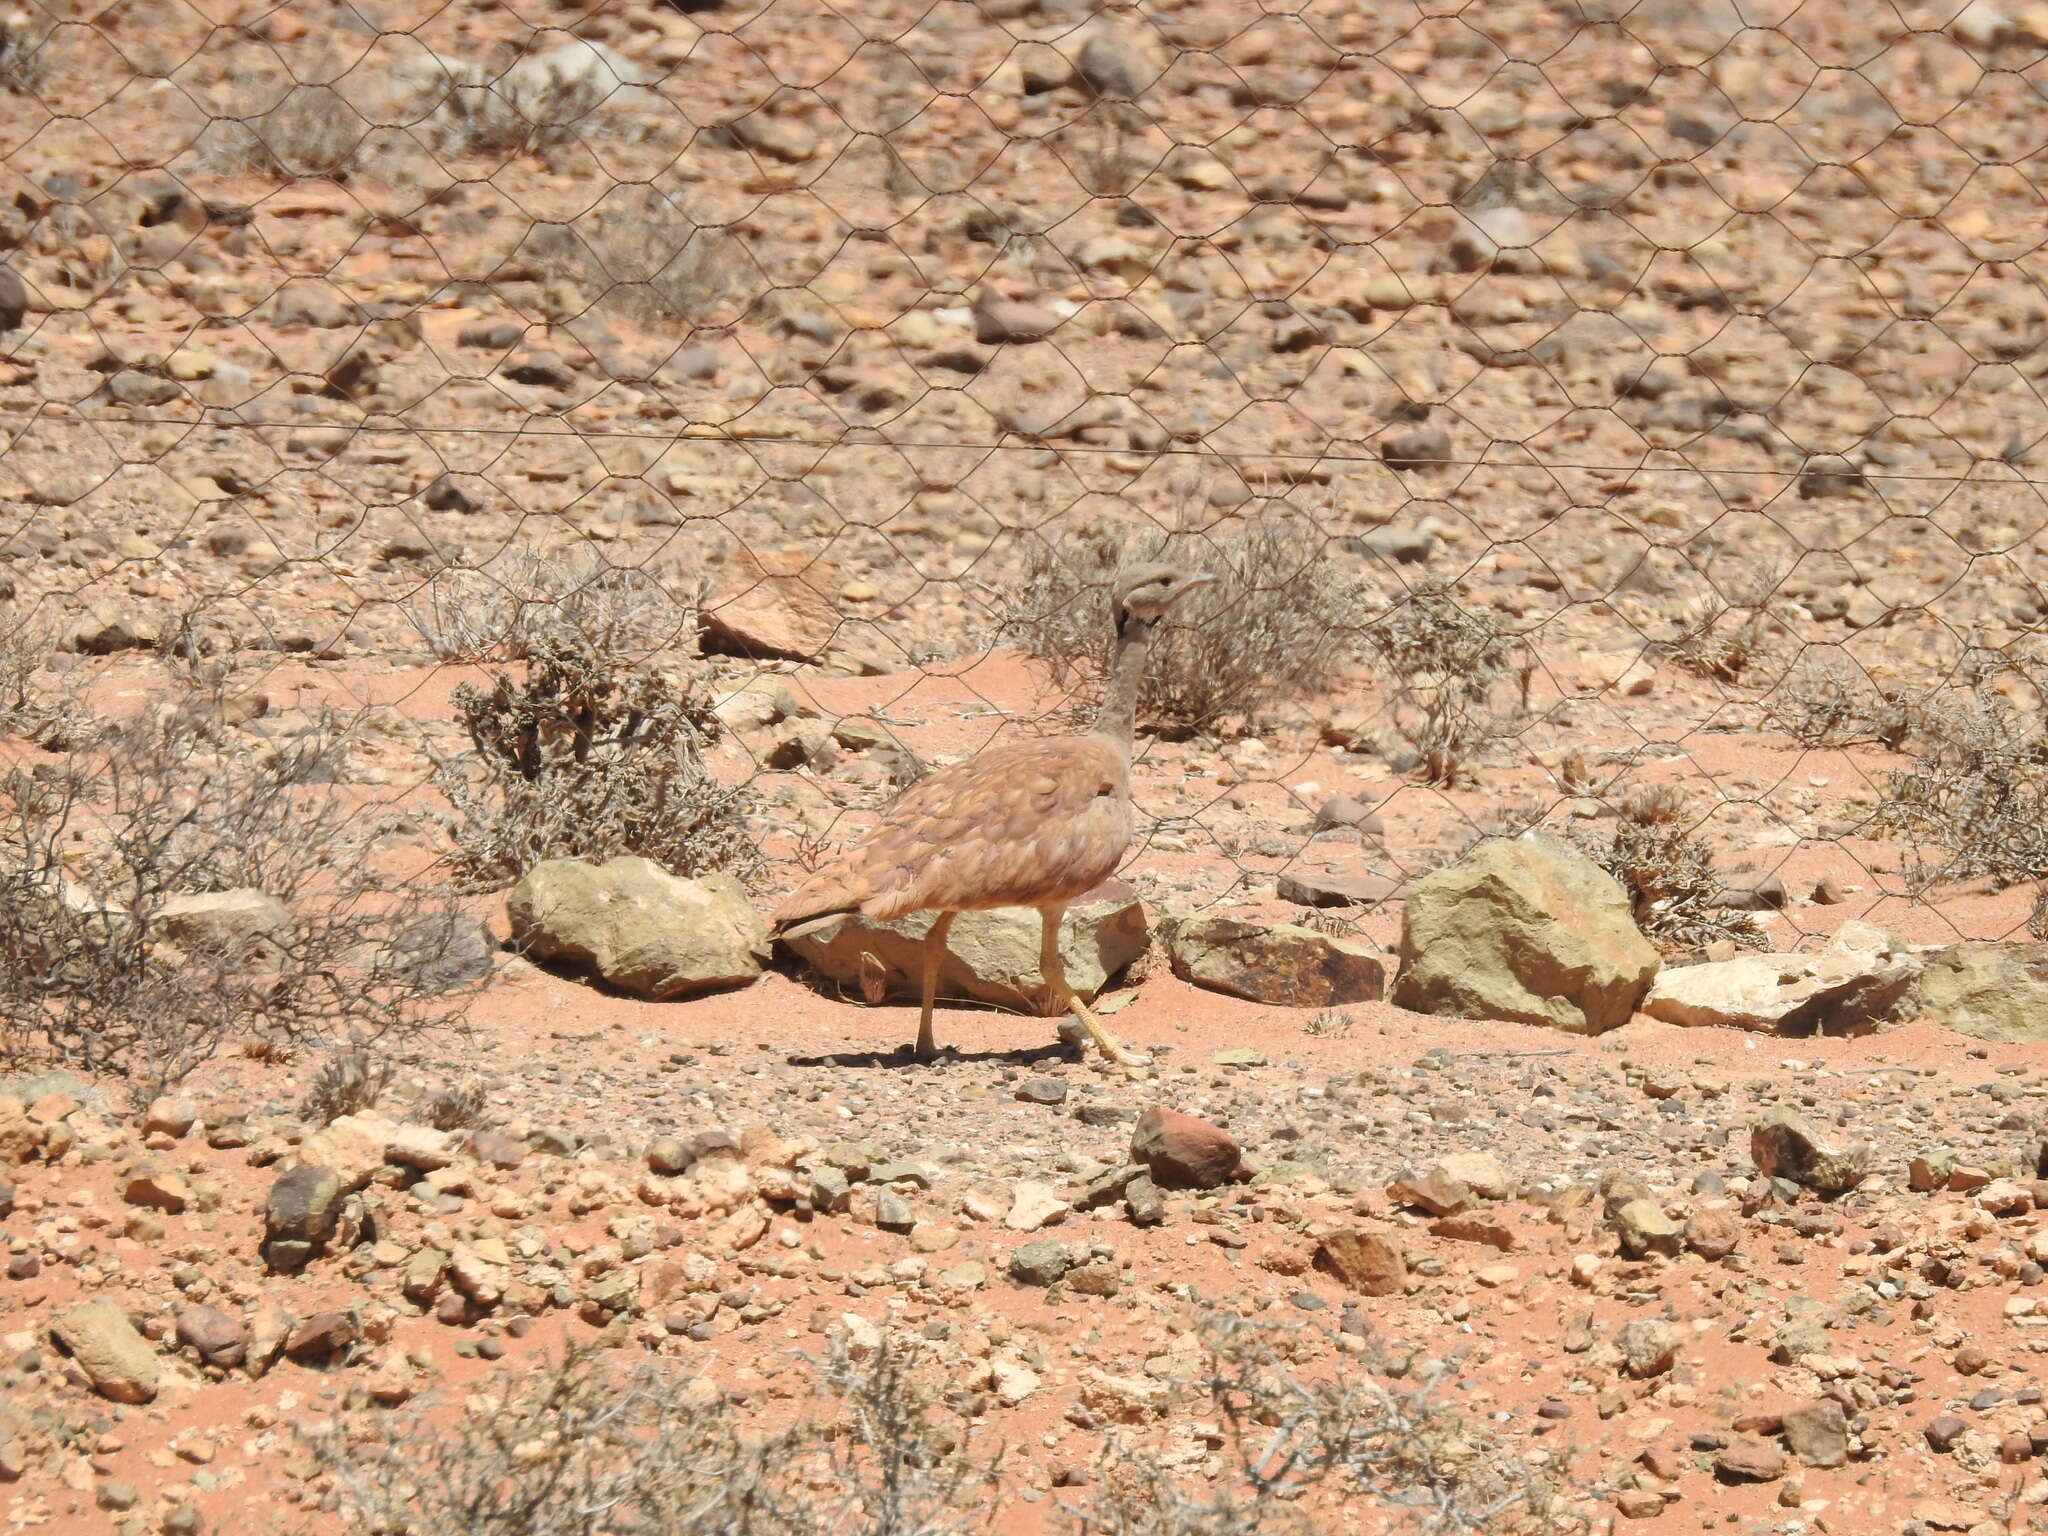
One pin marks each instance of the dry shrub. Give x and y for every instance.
(461, 1107)
(103, 968)
(348, 1082)
(1278, 626)
(495, 611)
(1978, 790)
(1299, 1452)
(1669, 873)
(23, 62)
(594, 1448)
(640, 257)
(1833, 703)
(599, 1448)
(311, 131)
(33, 703)
(588, 758)
(1450, 667)
(1721, 642)
(541, 102)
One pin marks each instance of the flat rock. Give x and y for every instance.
(1864, 979)
(1276, 963)
(116, 1359)
(989, 957)
(1995, 992)
(1525, 930)
(243, 925)
(1034, 1204)
(1311, 889)
(997, 319)
(637, 927)
(772, 606)
(1453, 1183)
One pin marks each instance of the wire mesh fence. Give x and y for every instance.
(1625, 418)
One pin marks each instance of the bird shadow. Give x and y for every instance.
(906, 1056)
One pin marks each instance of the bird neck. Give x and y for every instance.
(1117, 720)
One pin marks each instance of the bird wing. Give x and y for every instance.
(1018, 824)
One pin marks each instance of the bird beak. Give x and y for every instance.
(1197, 579)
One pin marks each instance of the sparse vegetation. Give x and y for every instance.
(166, 891)
(594, 1448)
(495, 612)
(1293, 1446)
(1721, 642)
(1977, 791)
(1279, 625)
(311, 131)
(1450, 667)
(588, 757)
(32, 704)
(1832, 703)
(460, 1107)
(640, 257)
(350, 1081)
(1668, 872)
(22, 61)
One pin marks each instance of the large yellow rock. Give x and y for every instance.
(1526, 930)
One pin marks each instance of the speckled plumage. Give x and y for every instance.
(1022, 824)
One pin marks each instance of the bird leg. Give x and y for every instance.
(1055, 971)
(934, 946)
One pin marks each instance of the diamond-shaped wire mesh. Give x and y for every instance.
(1690, 351)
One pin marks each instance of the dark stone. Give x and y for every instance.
(220, 1338)
(320, 1337)
(13, 299)
(1943, 1432)
(300, 1216)
(1039, 1264)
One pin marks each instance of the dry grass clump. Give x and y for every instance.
(588, 758)
(164, 891)
(595, 1448)
(1297, 1452)
(495, 611)
(598, 1448)
(311, 131)
(348, 1082)
(1669, 873)
(1977, 791)
(541, 102)
(639, 257)
(1460, 678)
(460, 1107)
(1721, 642)
(23, 62)
(32, 704)
(1278, 626)
(1833, 703)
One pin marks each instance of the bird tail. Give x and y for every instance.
(826, 892)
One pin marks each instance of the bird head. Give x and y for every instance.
(1147, 591)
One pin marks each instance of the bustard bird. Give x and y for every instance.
(1020, 824)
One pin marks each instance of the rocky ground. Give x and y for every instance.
(1694, 352)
